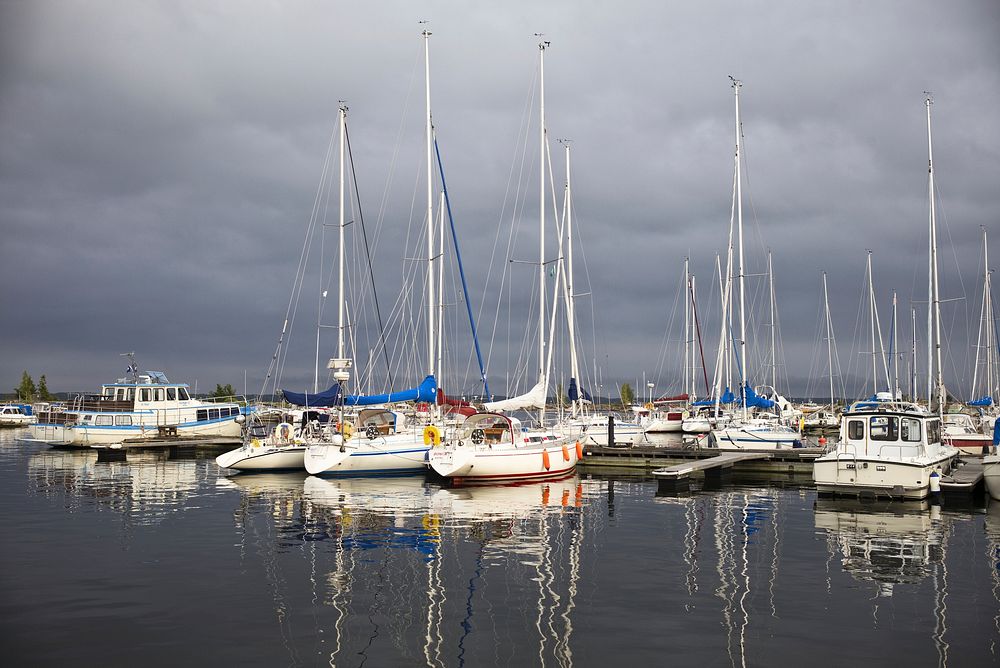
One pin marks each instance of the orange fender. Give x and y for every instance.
(565, 452)
(545, 459)
(579, 451)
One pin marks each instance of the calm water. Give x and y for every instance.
(160, 560)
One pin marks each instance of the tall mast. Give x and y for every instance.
(340, 258)
(871, 306)
(774, 348)
(829, 337)
(439, 370)
(742, 276)
(574, 366)
(913, 354)
(985, 327)
(694, 329)
(431, 292)
(687, 326)
(541, 209)
(895, 351)
(934, 314)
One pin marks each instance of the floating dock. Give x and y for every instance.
(965, 478)
(678, 477)
(648, 458)
(173, 442)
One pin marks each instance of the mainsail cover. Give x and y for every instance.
(984, 401)
(533, 398)
(574, 394)
(427, 391)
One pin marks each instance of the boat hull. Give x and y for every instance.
(743, 438)
(991, 474)
(843, 474)
(970, 444)
(88, 435)
(379, 456)
(263, 458)
(475, 464)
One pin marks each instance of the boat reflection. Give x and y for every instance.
(451, 558)
(144, 485)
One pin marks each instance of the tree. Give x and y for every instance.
(223, 391)
(43, 389)
(626, 394)
(26, 391)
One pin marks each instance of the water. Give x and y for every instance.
(161, 560)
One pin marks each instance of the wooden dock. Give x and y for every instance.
(173, 442)
(678, 477)
(785, 461)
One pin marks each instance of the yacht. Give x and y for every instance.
(962, 432)
(886, 448)
(141, 407)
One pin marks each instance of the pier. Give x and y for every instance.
(678, 477)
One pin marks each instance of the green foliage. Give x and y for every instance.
(626, 394)
(223, 391)
(43, 389)
(26, 390)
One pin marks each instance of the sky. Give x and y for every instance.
(159, 164)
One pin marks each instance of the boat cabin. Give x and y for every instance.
(889, 431)
(375, 422)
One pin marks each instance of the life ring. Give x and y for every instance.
(371, 431)
(478, 435)
(432, 435)
(283, 432)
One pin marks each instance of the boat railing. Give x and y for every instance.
(231, 399)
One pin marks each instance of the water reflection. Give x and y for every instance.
(439, 570)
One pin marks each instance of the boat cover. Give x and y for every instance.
(427, 391)
(983, 401)
(533, 398)
(574, 394)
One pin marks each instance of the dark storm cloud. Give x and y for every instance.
(160, 161)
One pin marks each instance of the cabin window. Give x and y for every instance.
(103, 421)
(884, 428)
(933, 431)
(182, 393)
(202, 414)
(120, 394)
(855, 430)
(213, 414)
(158, 392)
(909, 429)
(144, 394)
(123, 420)
(130, 394)
(109, 392)
(171, 394)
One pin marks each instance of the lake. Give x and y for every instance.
(158, 558)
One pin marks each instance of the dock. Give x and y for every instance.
(965, 478)
(173, 442)
(648, 458)
(678, 477)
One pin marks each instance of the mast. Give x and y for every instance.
(895, 351)
(439, 370)
(692, 342)
(913, 354)
(984, 324)
(934, 312)
(431, 291)
(871, 306)
(574, 366)
(774, 348)
(340, 253)
(687, 326)
(541, 219)
(829, 337)
(742, 276)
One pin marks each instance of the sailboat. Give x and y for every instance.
(763, 431)
(889, 447)
(493, 445)
(378, 442)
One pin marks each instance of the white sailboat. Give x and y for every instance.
(492, 446)
(765, 431)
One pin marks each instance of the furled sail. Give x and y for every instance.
(427, 391)
(533, 398)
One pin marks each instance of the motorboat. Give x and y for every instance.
(140, 406)
(961, 431)
(494, 446)
(16, 415)
(886, 448)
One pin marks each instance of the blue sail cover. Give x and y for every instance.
(754, 400)
(727, 398)
(427, 391)
(984, 401)
(574, 394)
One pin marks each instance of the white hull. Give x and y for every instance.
(397, 454)
(844, 474)
(756, 438)
(17, 420)
(991, 474)
(88, 435)
(664, 426)
(503, 461)
(263, 458)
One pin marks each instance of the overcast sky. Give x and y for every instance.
(159, 162)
